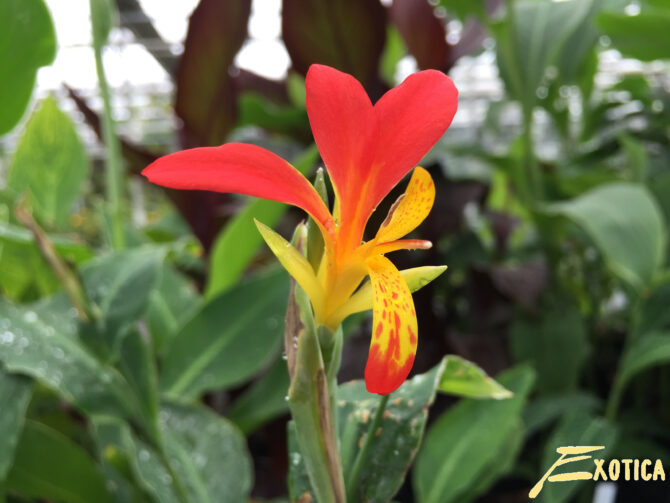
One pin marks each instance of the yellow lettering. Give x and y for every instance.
(614, 469)
(646, 476)
(600, 472)
(626, 466)
(578, 453)
(658, 470)
(636, 470)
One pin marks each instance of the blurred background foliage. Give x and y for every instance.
(140, 326)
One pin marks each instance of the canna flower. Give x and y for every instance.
(366, 150)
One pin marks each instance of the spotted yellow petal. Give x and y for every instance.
(411, 209)
(296, 264)
(402, 244)
(416, 278)
(394, 328)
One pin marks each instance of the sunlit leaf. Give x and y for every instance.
(27, 43)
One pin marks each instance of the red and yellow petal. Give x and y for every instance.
(413, 207)
(241, 168)
(394, 328)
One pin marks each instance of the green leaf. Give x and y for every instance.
(645, 352)
(395, 442)
(263, 401)
(625, 222)
(239, 242)
(464, 378)
(24, 274)
(48, 465)
(15, 392)
(102, 18)
(233, 336)
(50, 163)
(653, 313)
(474, 432)
(32, 344)
(576, 428)
(171, 304)
(120, 285)
(26, 44)
(138, 367)
(529, 39)
(544, 411)
(257, 110)
(643, 36)
(208, 453)
(556, 344)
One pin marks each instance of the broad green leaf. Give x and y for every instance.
(472, 433)
(555, 343)
(653, 314)
(27, 43)
(239, 242)
(263, 401)
(208, 453)
(120, 285)
(233, 336)
(137, 365)
(645, 352)
(171, 303)
(576, 428)
(394, 51)
(15, 392)
(347, 35)
(643, 36)
(395, 442)
(31, 344)
(123, 452)
(50, 163)
(625, 222)
(48, 465)
(464, 378)
(542, 412)
(529, 39)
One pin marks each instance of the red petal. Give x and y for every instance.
(343, 125)
(412, 118)
(367, 150)
(241, 168)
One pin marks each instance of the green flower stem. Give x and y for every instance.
(114, 168)
(310, 401)
(361, 458)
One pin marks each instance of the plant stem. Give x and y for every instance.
(71, 285)
(114, 167)
(355, 475)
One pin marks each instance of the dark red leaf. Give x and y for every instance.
(346, 34)
(424, 34)
(206, 100)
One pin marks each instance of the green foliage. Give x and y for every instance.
(27, 43)
(50, 164)
(233, 336)
(464, 378)
(643, 36)
(575, 428)
(476, 432)
(49, 465)
(626, 224)
(15, 393)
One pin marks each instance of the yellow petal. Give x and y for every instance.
(411, 209)
(416, 278)
(394, 328)
(402, 244)
(296, 264)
